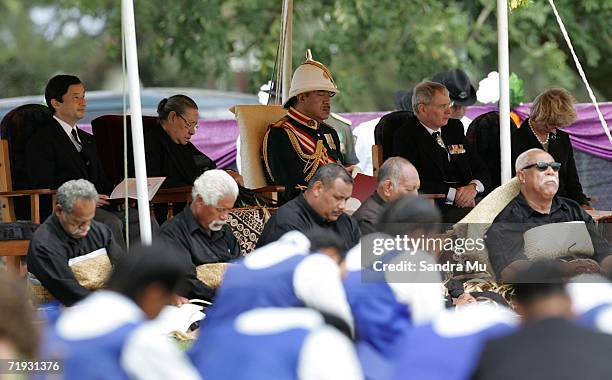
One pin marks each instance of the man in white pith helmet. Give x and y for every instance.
(298, 144)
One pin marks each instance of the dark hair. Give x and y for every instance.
(328, 174)
(407, 214)
(541, 279)
(176, 103)
(324, 238)
(147, 265)
(291, 102)
(57, 87)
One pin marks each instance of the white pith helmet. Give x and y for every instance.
(311, 76)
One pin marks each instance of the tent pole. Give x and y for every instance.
(504, 89)
(287, 68)
(127, 19)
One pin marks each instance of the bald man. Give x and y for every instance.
(537, 204)
(397, 177)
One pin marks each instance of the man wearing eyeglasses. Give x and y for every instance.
(200, 233)
(298, 144)
(435, 144)
(537, 204)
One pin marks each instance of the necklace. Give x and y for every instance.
(536, 135)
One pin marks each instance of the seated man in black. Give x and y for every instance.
(397, 177)
(321, 206)
(60, 152)
(435, 144)
(68, 233)
(299, 143)
(537, 204)
(200, 233)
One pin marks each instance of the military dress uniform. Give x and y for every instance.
(294, 148)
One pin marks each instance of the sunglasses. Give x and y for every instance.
(542, 166)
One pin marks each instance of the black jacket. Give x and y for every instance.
(560, 147)
(52, 159)
(413, 142)
(180, 164)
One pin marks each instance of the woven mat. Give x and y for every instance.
(247, 224)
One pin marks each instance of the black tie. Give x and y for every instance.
(75, 136)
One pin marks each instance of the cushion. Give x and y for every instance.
(253, 121)
(571, 239)
(476, 223)
(212, 274)
(20, 230)
(91, 271)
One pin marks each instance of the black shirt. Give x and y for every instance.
(551, 348)
(51, 248)
(180, 164)
(504, 239)
(298, 215)
(367, 214)
(199, 246)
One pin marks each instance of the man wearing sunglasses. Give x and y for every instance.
(537, 204)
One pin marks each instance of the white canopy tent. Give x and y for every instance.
(283, 81)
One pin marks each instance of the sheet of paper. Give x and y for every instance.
(153, 185)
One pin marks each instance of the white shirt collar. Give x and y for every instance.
(67, 127)
(431, 131)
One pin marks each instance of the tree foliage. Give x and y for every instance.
(372, 47)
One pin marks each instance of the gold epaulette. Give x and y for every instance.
(280, 122)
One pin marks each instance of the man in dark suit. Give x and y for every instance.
(435, 144)
(546, 346)
(60, 151)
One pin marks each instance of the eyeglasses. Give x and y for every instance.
(444, 107)
(187, 125)
(542, 166)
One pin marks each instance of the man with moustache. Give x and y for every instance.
(200, 233)
(435, 144)
(535, 205)
(298, 144)
(68, 233)
(320, 207)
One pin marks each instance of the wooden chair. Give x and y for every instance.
(253, 122)
(109, 128)
(15, 245)
(377, 158)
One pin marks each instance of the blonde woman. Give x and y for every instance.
(552, 111)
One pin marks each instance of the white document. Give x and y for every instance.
(90, 255)
(153, 184)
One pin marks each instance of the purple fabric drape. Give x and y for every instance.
(586, 134)
(217, 138)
